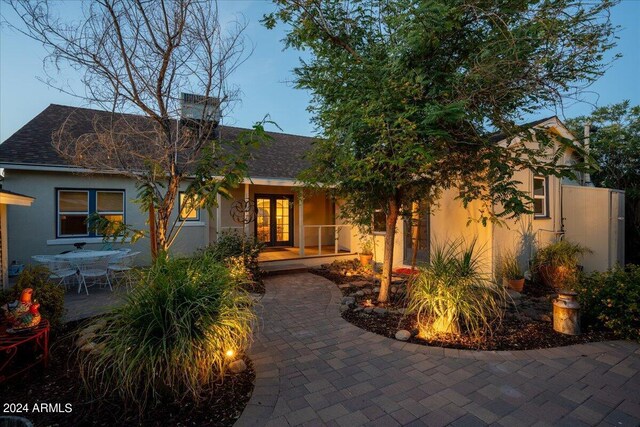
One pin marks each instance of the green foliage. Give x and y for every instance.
(452, 295)
(560, 254)
(404, 93)
(615, 147)
(366, 245)
(239, 253)
(511, 267)
(49, 295)
(612, 300)
(563, 256)
(168, 341)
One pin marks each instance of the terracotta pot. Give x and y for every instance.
(516, 284)
(365, 259)
(554, 277)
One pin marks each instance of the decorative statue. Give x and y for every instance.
(13, 310)
(28, 320)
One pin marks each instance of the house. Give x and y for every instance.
(297, 225)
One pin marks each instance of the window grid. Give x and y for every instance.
(540, 200)
(92, 196)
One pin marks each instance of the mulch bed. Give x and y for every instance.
(60, 383)
(512, 335)
(526, 326)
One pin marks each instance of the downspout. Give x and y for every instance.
(587, 142)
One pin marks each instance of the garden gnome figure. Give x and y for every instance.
(566, 313)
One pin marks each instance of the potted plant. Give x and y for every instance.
(556, 265)
(512, 273)
(366, 251)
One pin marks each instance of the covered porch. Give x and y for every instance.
(294, 223)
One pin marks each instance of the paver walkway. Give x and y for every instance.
(314, 368)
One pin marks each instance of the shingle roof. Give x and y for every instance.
(499, 136)
(282, 157)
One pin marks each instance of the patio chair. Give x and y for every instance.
(94, 269)
(121, 265)
(61, 271)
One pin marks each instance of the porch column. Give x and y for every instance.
(246, 211)
(301, 220)
(218, 215)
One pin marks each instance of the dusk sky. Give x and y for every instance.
(265, 79)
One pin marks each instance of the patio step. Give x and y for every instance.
(271, 269)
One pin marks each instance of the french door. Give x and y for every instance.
(274, 219)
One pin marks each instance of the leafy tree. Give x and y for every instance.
(409, 94)
(140, 56)
(615, 146)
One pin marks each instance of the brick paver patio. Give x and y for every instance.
(314, 368)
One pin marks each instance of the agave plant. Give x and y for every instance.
(173, 337)
(453, 295)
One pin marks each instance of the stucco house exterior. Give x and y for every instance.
(297, 225)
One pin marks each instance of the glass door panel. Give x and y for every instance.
(263, 220)
(282, 220)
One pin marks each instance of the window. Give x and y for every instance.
(189, 208)
(75, 206)
(540, 197)
(379, 221)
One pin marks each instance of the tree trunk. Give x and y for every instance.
(389, 240)
(164, 214)
(152, 232)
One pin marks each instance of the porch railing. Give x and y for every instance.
(339, 230)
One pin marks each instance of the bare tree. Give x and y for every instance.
(142, 57)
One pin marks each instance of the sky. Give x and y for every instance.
(266, 77)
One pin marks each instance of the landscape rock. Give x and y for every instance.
(394, 289)
(348, 300)
(376, 289)
(360, 293)
(545, 318)
(368, 309)
(360, 283)
(403, 335)
(344, 286)
(358, 309)
(514, 295)
(380, 311)
(367, 291)
(344, 308)
(237, 366)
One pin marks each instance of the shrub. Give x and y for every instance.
(556, 265)
(452, 295)
(511, 267)
(612, 300)
(170, 339)
(232, 247)
(50, 295)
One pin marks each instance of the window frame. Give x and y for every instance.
(180, 217)
(92, 208)
(544, 197)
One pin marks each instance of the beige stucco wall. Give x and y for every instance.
(30, 229)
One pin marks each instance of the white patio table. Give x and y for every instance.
(79, 260)
(77, 257)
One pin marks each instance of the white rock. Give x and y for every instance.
(403, 335)
(237, 366)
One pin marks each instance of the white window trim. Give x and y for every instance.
(543, 197)
(59, 213)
